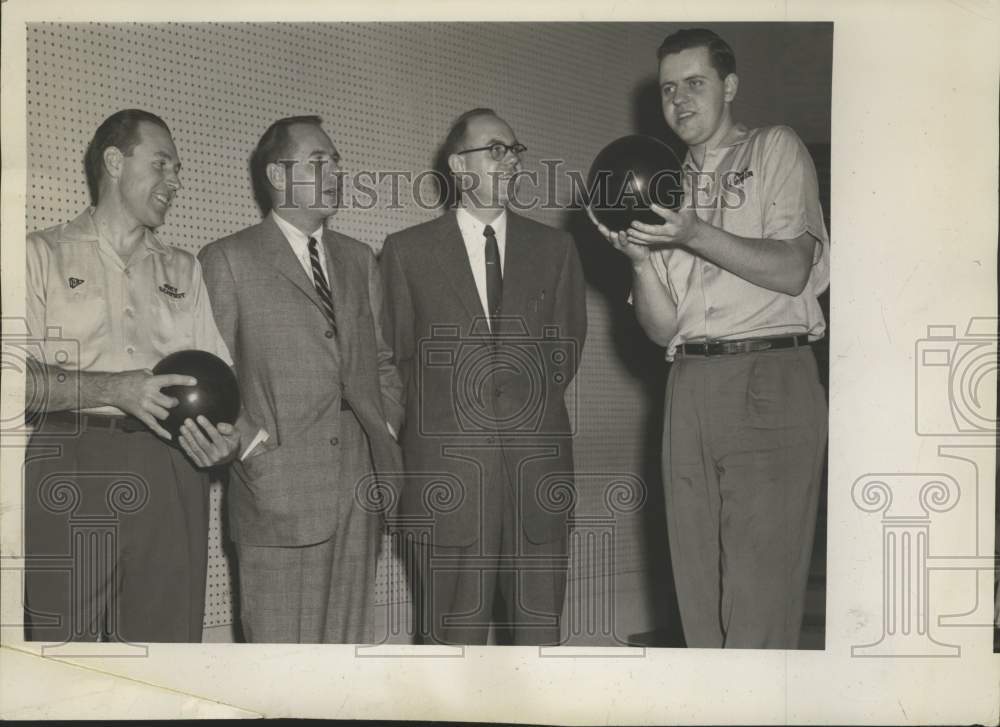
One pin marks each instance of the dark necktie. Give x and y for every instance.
(319, 280)
(494, 278)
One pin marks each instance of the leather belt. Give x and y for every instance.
(746, 345)
(101, 422)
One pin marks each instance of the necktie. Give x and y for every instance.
(494, 278)
(319, 280)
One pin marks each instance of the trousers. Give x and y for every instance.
(116, 538)
(743, 449)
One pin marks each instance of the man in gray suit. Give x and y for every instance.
(487, 317)
(299, 307)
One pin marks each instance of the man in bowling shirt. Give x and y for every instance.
(731, 291)
(106, 301)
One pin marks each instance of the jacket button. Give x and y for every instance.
(335, 441)
(328, 334)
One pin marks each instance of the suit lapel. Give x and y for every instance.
(285, 262)
(519, 269)
(340, 285)
(454, 263)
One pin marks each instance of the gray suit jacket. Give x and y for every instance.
(293, 372)
(478, 414)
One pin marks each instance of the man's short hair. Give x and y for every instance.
(455, 140)
(720, 54)
(120, 130)
(272, 147)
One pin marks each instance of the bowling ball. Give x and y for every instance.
(630, 173)
(216, 396)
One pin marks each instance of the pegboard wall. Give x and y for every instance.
(387, 93)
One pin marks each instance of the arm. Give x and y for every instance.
(776, 264)
(397, 313)
(51, 388)
(224, 304)
(791, 221)
(571, 304)
(390, 382)
(206, 444)
(655, 308)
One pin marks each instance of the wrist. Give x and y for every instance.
(105, 389)
(696, 239)
(641, 267)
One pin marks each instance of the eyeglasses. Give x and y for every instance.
(498, 150)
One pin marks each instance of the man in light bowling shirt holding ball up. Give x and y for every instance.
(730, 289)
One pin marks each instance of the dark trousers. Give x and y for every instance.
(744, 437)
(503, 580)
(116, 538)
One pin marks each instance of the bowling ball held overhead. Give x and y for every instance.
(629, 174)
(216, 396)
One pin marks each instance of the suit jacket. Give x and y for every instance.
(483, 409)
(293, 372)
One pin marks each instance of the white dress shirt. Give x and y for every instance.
(475, 247)
(300, 245)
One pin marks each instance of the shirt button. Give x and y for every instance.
(128, 273)
(710, 310)
(129, 312)
(328, 334)
(130, 350)
(335, 441)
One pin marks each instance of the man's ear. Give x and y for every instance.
(456, 163)
(276, 175)
(112, 158)
(731, 84)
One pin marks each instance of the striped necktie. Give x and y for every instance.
(319, 280)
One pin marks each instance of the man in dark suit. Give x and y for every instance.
(299, 307)
(486, 313)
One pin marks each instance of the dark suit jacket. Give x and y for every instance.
(479, 414)
(293, 373)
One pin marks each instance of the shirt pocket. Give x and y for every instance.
(172, 322)
(80, 314)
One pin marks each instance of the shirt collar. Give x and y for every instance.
(83, 229)
(293, 234)
(737, 134)
(475, 228)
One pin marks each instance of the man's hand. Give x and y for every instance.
(637, 254)
(138, 393)
(208, 445)
(678, 228)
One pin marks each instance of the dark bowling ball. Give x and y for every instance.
(627, 175)
(216, 396)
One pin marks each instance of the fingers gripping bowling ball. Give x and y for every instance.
(630, 173)
(216, 396)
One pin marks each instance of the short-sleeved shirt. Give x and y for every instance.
(758, 183)
(109, 315)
